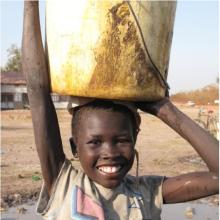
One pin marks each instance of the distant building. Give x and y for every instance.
(14, 92)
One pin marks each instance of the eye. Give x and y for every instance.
(123, 140)
(94, 142)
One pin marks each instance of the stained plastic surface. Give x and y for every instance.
(109, 49)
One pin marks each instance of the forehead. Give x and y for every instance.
(99, 119)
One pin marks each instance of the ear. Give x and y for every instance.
(73, 147)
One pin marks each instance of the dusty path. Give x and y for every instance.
(162, 152)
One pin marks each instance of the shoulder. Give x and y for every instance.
(150, 186)
(149, 190)
(67, 177)
(68, 168)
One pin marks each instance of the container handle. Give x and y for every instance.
(162, 80)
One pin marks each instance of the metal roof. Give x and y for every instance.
(12, 78)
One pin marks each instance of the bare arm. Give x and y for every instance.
(192, 185)
(44, 118)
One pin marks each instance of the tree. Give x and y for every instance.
(14, 59)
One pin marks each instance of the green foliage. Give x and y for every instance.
(14, 59)
(36, 178)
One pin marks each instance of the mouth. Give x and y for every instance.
(110, 169)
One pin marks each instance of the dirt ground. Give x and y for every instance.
(161, 152)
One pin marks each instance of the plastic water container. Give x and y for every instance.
(109, 49)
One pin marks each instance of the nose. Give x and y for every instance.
(110, 151)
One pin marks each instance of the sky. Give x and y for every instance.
(194, 58)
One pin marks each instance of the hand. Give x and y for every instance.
(152, 107)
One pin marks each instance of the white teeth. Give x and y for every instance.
(110, 169)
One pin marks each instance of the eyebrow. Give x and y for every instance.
(95, 136)
(100, 136)
(123, 134)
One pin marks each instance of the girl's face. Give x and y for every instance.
(105, 146)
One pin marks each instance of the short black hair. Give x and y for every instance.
(106, 105)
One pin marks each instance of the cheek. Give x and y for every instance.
(86, 157)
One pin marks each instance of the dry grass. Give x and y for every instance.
(201, 96)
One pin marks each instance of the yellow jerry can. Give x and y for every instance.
(109, 48)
